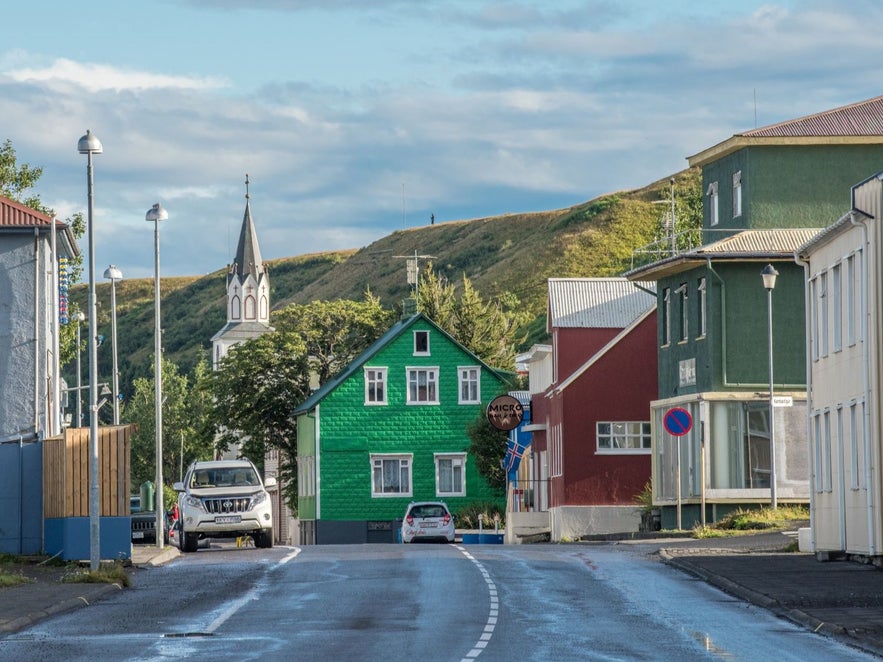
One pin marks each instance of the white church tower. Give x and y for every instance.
(248, 292)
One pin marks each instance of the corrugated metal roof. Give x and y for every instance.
(864, 118)
(760, 243)
(16, 215)
(597, 303)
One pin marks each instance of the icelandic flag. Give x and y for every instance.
(515, 448)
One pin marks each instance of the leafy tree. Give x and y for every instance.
(183, 425)
(487, 329)
(260, 382)
(488, 447)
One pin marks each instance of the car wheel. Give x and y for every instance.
(189, 542)
(264, 539)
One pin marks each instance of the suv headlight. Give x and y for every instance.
(194, 502)
(258, 499)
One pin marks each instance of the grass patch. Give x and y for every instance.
(107, 573)
(748, 521)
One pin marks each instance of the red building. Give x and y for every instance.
(591, 401)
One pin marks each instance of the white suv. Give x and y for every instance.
(224, 499)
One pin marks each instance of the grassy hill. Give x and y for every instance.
(512, 252)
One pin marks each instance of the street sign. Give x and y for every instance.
(677, 421)
(783, 401)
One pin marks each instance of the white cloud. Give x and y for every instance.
(101, 77)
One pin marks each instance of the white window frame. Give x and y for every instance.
(684, 335)
(457, 461)
(666, 317)
(814, 319)
(421, 333)
(713, 216)
(856, 443)
(628, 430)
(850, 298)
(836, 304)
(412, 374)
(823, 314)
(469, 377)
(737, 194)
(406, 464)
(379, 377)
(702, 315)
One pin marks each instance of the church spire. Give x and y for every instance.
(248, 253)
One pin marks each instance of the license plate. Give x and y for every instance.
(137, 534)
(228, 519)
(428, 525)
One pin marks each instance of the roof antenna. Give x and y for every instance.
(247, 196)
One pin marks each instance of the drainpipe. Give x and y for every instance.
(37, 281)
(812, 467)
(866, 330)
(723, 318)
(55, 329)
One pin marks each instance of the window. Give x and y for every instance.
(737, 194)
(682, 291)
(421, 343)
(855, 444)
(823, 315)
(390, 475)
(702, 322)
(423, 385)
(470, 393)
(623, 437)
(665, 322)
(850, 299)
(450, 475)
(814, 320)
(712, 203)
(375, 386)
(836, 309)
(826, 460)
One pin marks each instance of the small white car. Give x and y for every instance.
(224, 499)
(428, 520)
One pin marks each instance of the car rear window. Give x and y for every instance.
(428, 511)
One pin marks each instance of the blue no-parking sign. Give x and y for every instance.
(677, 421)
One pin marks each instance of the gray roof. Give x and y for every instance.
(248, 253)
(775, 244)
(242, 331)
(600, 303)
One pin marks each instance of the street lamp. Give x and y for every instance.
(90, 145)
(156, 214)
(114, 274)
(769, 274)
(80, 319)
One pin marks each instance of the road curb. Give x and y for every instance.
(62, 607)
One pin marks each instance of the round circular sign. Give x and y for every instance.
(505, 412)
(677, 421)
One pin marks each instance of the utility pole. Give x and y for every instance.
(414, 270)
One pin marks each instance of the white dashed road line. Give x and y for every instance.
(493, 612)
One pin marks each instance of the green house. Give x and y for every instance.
(766, 191)
(390, 429)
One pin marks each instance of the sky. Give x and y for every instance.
(357, 118)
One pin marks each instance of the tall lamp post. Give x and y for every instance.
(80, 319)
(114, 274)
(90, 145)
(156, 214)
(769, 274)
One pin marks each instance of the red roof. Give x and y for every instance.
(864, 118)
(16, 215)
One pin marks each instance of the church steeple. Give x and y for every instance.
(248, 290)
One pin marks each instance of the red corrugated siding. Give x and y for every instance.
(15, 214)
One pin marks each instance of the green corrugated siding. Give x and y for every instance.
(350, 431)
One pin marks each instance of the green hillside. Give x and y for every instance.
(512, 252)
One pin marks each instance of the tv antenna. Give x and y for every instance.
(413, 266)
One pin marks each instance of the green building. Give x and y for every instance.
(766, 193)
(390, 429)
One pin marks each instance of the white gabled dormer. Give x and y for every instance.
(248, 291)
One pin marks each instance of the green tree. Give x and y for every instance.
(488, 447)
(487, 329)
(184, 423)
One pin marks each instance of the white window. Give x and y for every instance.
(701, 314)
(850, 299)
(836, 309)
(856, 444)
(421, 343)
(423, 385)
(817, 444)
(823, 314)
(450, 474)
(685, 316)
(826, 460)
(814, 319)
(737, 194)
(712, 204)
(390, 475)
(665, 322)
(470, 391)
(375, 386)
(623, 436)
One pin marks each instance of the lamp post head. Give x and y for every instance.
(156, 213)
(769, 274)
(89, 144)
(112, 273)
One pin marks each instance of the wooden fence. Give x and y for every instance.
(66, 462)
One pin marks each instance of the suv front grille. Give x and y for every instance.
(224, 505)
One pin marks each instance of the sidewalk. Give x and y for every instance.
(46, 595)
(843, 599)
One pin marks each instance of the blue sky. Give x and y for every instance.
(356, 118)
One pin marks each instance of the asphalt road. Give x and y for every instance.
(435, 602)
